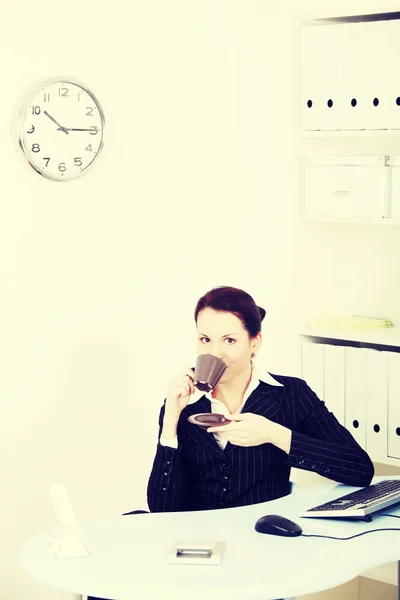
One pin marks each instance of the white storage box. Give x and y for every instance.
(346, 186)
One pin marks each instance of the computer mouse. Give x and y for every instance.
(277, 525)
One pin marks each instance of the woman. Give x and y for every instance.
(277, 422)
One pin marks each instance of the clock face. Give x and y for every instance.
(61, 128)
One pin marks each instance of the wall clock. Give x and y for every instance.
(61, 129)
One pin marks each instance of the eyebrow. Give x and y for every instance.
(224, 336)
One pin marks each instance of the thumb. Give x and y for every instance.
(234, 416)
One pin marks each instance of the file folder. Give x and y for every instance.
(392, 76)
(320, 75)
(334, 380)
(313, 367)
(394, 404)
(365, 75)
(355, 407)
(376, 403)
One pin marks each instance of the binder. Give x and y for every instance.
(365, 75)
(334, 380)
(320, 74)
(313, 367)
(355, 406)
(393, 75)
(376, 396)
(394, 404)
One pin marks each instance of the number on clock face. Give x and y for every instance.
(61, 130)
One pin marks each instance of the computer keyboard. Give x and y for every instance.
(361, 503)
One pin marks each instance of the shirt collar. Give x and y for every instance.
(256, 379)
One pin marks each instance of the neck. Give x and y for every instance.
(232, 392)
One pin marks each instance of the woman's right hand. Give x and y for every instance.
(179, 391)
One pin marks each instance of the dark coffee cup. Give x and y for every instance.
(208, 371)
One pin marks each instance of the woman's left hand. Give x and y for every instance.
(248, 429)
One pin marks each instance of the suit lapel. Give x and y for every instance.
(264, 402)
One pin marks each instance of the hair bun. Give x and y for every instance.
(262, 312)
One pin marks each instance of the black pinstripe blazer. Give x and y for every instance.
(198, 475)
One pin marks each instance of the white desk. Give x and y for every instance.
(128, 554)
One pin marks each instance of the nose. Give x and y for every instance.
(215, 351)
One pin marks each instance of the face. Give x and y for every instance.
(222, 334)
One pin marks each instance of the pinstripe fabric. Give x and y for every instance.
(198, 475)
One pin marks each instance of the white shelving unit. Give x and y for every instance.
(345, 142)
(314, 136)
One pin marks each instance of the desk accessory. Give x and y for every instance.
(277, 525)
(60, 128)
(360, 504)
(65, 540)
(196, 552)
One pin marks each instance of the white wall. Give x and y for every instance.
(100, 276)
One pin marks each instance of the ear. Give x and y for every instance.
(256, 342)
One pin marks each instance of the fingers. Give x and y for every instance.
(187, 384)
(221, 428)
(190, 378)
(236, 416)
(189, 372)
(234, 425)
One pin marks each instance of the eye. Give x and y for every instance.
(227, 339)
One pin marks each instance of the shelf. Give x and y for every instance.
(348, 12)
(386, 460)
(389, 336)
(351, 220)
(350, 133)
(350, 19)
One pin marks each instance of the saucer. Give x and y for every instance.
(206, 420)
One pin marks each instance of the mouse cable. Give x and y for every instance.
(330, 537)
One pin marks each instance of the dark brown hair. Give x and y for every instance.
(240, 303)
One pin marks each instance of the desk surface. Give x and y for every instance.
(129, 554)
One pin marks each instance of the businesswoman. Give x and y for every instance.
(276, 422)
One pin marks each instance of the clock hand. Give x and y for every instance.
(60, 128)
(71, 129)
